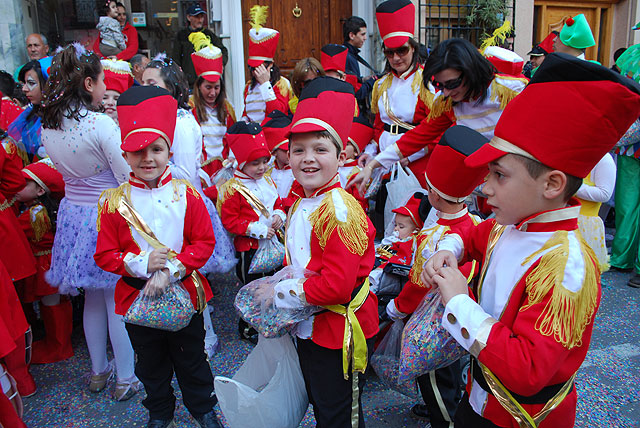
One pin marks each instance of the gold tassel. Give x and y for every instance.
(416, 83)
(439, 106)
(498, 37)
(230, 110)
(566, 314)
(40, 222)
(353, 232)
(378, 89)
(284, 87)
(199, 40)
(226, 191)
(111, 199)
(293, 104)
(426, 96)
(502, 93)
(258, 15)
(416, 269)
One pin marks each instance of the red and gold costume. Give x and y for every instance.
(276, 128)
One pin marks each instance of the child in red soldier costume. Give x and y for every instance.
(329, 233)
(41, 195)
(211, 108)
(117, 78)
(449, 184)
(249, 205)
(539, 289)
(276, 128)
(267, 90)
(360, 136)
(182, 240)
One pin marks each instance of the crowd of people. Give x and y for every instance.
(129, 183)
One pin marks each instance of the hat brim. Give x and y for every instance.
(301, 128)
(213, 78)
(255, 62)
(395, 42)
(284, 145)
(139, 141)
(483, 156)
(200, 12)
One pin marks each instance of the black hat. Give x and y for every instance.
(195, 10)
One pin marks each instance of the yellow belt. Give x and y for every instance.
(354, 344)
(589, 208)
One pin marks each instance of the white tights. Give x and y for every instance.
(99, 314)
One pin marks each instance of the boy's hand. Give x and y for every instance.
(271, 233)
(157, 259)
(261, 74)
(435, 263)
(276, 222)
(363, 159)
(157, 284)
(451, 282)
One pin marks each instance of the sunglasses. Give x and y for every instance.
(401, 51)
(449, 85)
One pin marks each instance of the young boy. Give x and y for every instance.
(177, 239)
(360, 135)
(329, 233)
(249, 204)
(449, 184)
(276, 128)
(539, 289)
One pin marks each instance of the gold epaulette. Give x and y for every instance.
(40, 222)
(419, 261)
(381, 86)
(502, 93)
(226, 191)
(230, 111)
(567, 313)
(352, 232)
(284, 86)
(187, 183)
(293, 104)
(439, 106)
(426, 96)
(110, 199)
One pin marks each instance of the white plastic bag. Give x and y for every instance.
(401, 186)
(386, 361)
(268, 257)
(268, 390)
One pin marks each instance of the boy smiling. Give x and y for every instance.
(539, 288)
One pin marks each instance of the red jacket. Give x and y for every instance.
(282, 90)
(130, 37)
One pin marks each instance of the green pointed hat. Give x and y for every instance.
(576, 33)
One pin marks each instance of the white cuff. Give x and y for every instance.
(371, 149)
(257, 230)
(174, 271)
(288, 294)
(393, 312)
(451, 242)
(388, 156)
(465, 320)
(281, 214)
(137, 264)
(417, 155)
(267, 92)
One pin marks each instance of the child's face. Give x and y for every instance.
(314, 160)
(109, 101)
(282, 157)
(210, 92)
(404, 226)
(349, 151)
(149, 163)
(112, 11)
(98, 88)
(152, 77)
(511, 191)
(30, 192)
(256, 168)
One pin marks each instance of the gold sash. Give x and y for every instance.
(396, 121)
(135, 220)
(253, 200)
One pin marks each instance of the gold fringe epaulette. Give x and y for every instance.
(378, 90)
(352, 232)
(187, 183)
(226, 191)
(110, 199)
(566, 314)
(40, 222)
(293, 104)
(502, 93)
(418, 263)
(416, 83)
(284, 86)
(230, 111)
(439, 106)
(426, 96)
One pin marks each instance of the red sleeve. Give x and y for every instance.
(236, 215)
(378, 129)
(410, 296)
(199, 240)
(280, 103)
(11, 180)
(422, 111)
(132, 43)
(427, 133)
(109, 254)
(475, 240)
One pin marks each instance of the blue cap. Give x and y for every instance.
(195, 10)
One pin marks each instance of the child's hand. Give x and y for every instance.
(435, 263)
(451, 282)
(271, 233)
(261, 74)
(157, 259)
(276, 222)
(157, 284)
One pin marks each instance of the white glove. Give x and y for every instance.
(393, 312)
(287, 295)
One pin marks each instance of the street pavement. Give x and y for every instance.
(607, 383)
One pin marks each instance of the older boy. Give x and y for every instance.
(540, 286)
(329, 233)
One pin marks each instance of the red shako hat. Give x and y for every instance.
(247, 142)
(146, 113)
(412, 209)
(333, 57)
(545, 47)
(325, 104)
(262, 41)
(207, 58)
(504, 60)
(117, 75)
(446, 171)
(276, 127)
(396, 20)
(361, 133)
(45, 174)
(586, 108)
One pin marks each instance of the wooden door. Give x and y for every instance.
(319, 23)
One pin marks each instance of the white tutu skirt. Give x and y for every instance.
(72, 264)
(223, 258)
(592, 230)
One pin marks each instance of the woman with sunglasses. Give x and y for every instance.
(398, 99)
(470, 93)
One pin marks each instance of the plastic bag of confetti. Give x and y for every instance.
(255, 303)
(426, 345)
(268, 257)
(386, 361)
(169, 310)
(268, 390)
